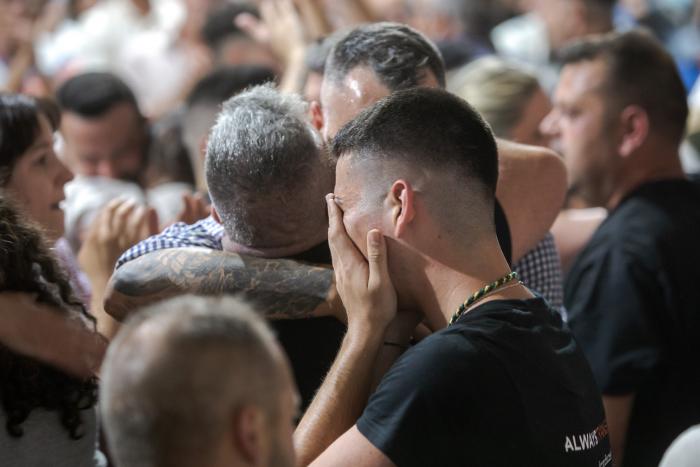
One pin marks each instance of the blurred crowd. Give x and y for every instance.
(157, 148)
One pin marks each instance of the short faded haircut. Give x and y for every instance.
(175, 374)
(429, 129)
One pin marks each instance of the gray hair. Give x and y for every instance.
(497, 89)
(174, 374)
(263, 153)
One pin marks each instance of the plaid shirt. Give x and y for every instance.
(540, 270)
(206, 233)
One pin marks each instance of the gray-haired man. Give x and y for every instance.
(267, 177)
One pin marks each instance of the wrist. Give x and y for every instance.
(364, 334)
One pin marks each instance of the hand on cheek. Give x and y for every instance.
(363, 283)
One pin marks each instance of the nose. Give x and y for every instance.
(64, 173)
(549, 126)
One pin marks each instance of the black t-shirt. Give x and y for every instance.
(311, 344)
(633, 298)
(505, 385)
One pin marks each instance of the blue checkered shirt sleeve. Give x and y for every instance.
(206, 233)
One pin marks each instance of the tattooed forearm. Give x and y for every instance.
(279, 288)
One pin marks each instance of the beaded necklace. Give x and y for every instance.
(484, 291)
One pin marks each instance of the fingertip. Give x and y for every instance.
(375, 238)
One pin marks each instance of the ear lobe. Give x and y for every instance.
(316, 115)
(403, 209)
(634, 122)
(248, 434)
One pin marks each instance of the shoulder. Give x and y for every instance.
(205, 233)
(653, 220)
(431, 366)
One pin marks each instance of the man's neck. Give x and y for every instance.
(642, 173)
(293, 247)
(453, 282)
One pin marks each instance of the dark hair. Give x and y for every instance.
(220, 26)
(317, 52)
(225, 82)
(399, 55)
(19, 128)
(602, 8)
(168, 157)
(429, 128)
(639, 72)
(26, 265)
(94, 94)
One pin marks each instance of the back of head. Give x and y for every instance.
(225, 82)
(220, 25)
(264, 167)
(176, 374)
(640, 73)
(429, 130)
(498, 90)
(91, 95)
(400, 56)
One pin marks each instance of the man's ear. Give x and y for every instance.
(316, 115)
(634, 125)
(249, 434)
(215, 214)
(203, 142)
(401, 203)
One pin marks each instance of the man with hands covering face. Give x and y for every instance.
(504, 379)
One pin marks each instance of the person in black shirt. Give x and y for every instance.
(504, 383)
(632, 294)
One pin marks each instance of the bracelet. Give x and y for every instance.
(396, 344)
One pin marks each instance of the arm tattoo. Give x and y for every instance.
(278, 288)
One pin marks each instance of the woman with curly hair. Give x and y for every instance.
(48, 416)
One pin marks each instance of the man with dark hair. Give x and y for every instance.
(204, 103)
(104, 131)
(500, 381)
(619, 116)
(385, 48)
(373, 60)
(198, 382)
(231, 45)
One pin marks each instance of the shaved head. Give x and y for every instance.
(177, 374)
